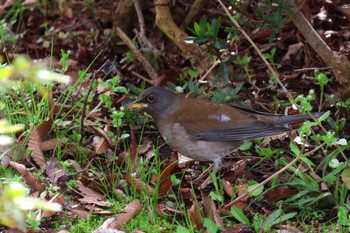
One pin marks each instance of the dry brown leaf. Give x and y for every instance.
(29, 2)
(159, 208)
(92, 208)
(186, 193)
(130, 211)
(34, 144)
(28, 177)
(139, 185)
(76, 166)
(51, 144)
(138, 231)
(242, 190)
(145, 146)
(236, 171)
(293, 54)
(105, 212)
(81, 213)
(165, 180)
(210, 210)
(108, 226)
(8, 3)
(67, 12)
(91, 200)
(7, 157)
(228, 188)
(85, 191)
(100, 145)
(58, 198)
(195, 215)
(103, 134)
(280, 193)
(235, 229)
(54, 170)
(133, 146)
(241, 204)
(44, 128)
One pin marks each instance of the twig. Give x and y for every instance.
(140, 16)
(143, 78)
(312, 68)
(141, 36)
(149, 69)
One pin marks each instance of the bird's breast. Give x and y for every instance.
(175, 135)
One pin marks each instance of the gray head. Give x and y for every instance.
(156, 101)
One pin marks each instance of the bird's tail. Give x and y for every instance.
(292, 118)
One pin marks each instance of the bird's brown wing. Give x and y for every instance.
(217, 122)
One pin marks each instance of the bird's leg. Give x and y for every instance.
(203, 175)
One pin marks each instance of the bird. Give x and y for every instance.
(207, 131)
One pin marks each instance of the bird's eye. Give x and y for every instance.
(151, 98)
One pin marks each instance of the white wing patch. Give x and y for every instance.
(220, 117)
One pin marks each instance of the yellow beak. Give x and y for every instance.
(134, 105)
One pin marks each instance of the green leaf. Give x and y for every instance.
(238, 214)
(193, 74)
(256, 192)
(271, 219)
(181, 229)
(216, 196)
(276, 218)
(321, 78)
(324, 116)
(308, 162)
(210, 226)
(215, 26)
(197, 29)
(295, 149)
(246, 146)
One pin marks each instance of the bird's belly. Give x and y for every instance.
(197, 149)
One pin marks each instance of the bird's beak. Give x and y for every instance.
(136, 105)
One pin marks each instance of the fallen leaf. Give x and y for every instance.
(51, 144)
(165, 178)
(85, 191)
(243, 189)
(44, 128)
(228, 188)
(28, 177)
(34, 144)
(54, 170)
(280, 193)
(139, 185)
(100, 144)
(108, 226)
(92, 200)
(145, 146)
(235, 229)
(195, 215)
(130, 211)
(210, 210)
